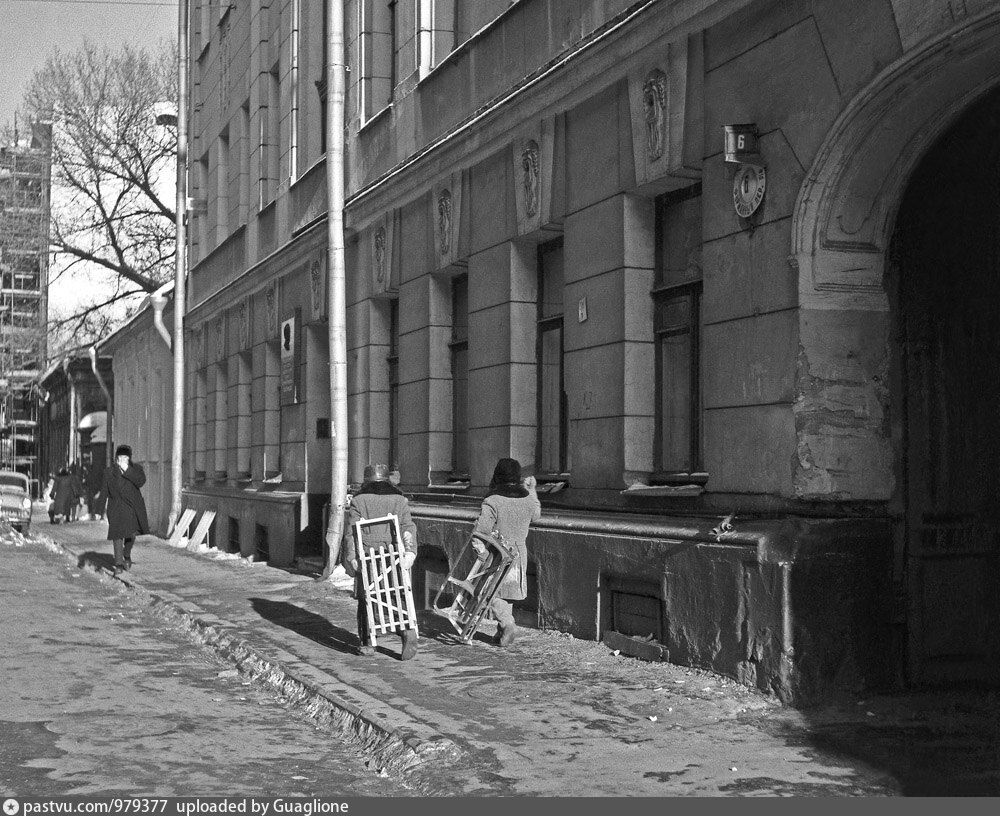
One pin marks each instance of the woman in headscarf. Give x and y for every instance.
(509, 508)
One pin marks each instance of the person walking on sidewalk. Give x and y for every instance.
(510, 506)
(378, 497)
(63, 496)
(126, 508)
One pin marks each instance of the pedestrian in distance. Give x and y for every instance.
(77, 479)
(509, 508)
(62, 496)
(378, 497)
(126, 509)
(96, 499)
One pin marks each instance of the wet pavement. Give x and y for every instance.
(552, 715)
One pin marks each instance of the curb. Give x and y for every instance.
(385, 749)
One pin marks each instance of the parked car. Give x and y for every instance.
(15, 499)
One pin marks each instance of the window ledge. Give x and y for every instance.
(449, 487)
(375, 117)
(664, 490)
(546, 483)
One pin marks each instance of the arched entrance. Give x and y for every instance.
(892, 346)
(943, 280)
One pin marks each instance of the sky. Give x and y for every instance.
(30, 29)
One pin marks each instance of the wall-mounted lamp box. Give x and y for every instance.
(197, 206)
(742, 144)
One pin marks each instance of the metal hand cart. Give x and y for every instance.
(483, 573)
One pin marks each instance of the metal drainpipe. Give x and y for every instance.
(787, 627)
(72, 411)
(159, 301)
(110, 410)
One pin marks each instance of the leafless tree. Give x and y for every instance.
(113, 177)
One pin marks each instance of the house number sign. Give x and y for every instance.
(748, 189)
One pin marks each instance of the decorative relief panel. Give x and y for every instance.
(532, 156)
(384, 264)
(665, 101)
(444, 222)
(196, 343)
(654, 105)
(530, 177)
(317, 285)
(244, 324)
(219, 331)
(446, 217)
(271, 308)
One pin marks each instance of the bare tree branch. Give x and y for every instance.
(113, 173)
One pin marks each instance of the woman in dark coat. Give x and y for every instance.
(63, 496)
(126, 511)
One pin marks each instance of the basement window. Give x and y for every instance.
(633, 608)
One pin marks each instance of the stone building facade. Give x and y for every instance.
(741, 383)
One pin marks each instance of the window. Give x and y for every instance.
(201, 211)
(676, 324)
(244, 186)
(293, 120)
(222, 188)
(393, 362)
(552, 455)
(320, 82)
(376, 48)
(393, 48)
(269, 140)
(460, 375)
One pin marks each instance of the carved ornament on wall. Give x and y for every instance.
(271, 308)
(378, 248)
(444, 221)
(654, 104)
(530, 178)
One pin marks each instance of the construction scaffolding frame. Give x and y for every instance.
(25, 182)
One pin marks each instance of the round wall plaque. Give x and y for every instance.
(748, 189)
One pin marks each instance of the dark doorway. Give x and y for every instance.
(944, 285)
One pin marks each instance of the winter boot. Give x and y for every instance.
(506, 634)
(409, 644)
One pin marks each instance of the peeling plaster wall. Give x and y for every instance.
(842, 407)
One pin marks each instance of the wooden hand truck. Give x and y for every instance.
(484, 572)
(388, 590)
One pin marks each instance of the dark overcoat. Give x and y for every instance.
(126, 511)
(64, 495)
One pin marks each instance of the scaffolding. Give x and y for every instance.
(25, 181)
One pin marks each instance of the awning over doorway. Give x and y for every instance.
(97, 423)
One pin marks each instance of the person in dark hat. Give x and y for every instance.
(509, 508)
(378, 497)
(62, 496)
(126, 509)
